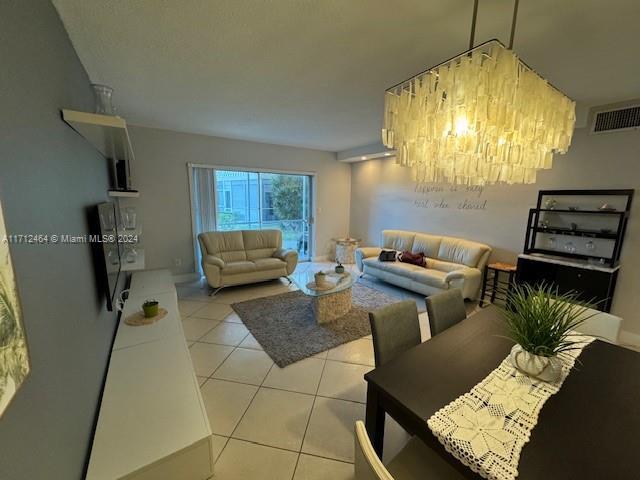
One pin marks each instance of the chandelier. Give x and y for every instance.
(482, 117)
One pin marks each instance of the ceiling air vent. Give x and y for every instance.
(626, 118)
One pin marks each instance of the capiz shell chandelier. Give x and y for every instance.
(482, 117)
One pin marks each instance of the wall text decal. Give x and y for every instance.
(455, 197)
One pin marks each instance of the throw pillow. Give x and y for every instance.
(413, 258)
(387, 256)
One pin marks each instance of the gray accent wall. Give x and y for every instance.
(383, 195)
(49, 178)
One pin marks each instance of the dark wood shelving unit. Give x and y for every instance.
(577, 233)
(616, 235)
(592, 277)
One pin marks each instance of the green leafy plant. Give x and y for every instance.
(542, 321)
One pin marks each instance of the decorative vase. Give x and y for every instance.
(339, 268)
(547, 369)
(150, 308)
(104, 95)
(320, 279)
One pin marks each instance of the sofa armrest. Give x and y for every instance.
(467, 279)
(365, 252)
(213, 260)
(289, 256)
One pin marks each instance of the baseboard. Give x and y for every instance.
(186, 277)
(629, 338)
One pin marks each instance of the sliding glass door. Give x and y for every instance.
(253, 200)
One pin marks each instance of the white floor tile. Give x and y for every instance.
(247, 461)
(226, 334)
(316, 468)
(302, 376)
(344, 381)
(213, 311)
(218, 444)
(250, 342)
(395, 439)
(232, 318)
(245, 366)
(189, 307)
(276, 418)
(330, 430)
(194, 328)
(207, 357)
(425, 331)
(225, 403)
(359, 351)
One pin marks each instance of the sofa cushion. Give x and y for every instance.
(397, 240)
(444, 266)
(243, 266)
(456, 250)
(269, 264)
(426, 276)
(429, 276)
(397, 268)
(427, 244)
(227, 245)
(261, 243)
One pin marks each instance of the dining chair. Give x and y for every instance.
(394, 328)
(414, 461)
(601, 325)
(445, 309)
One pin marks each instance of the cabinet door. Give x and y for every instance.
(591, 285)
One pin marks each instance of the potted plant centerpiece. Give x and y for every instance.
(150, 308)
(542, 323)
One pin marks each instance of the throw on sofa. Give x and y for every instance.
(450, 263)
(244, 256)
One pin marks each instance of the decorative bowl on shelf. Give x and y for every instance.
(605, 207)
(550, 204)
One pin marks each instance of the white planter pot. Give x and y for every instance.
(548, 369)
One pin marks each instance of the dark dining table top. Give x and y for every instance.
(590, 429)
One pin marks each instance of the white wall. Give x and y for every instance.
(384, 196)
(160, 173)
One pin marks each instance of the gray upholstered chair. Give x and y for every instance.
(394, 328)
(445, 309)
(414, 461)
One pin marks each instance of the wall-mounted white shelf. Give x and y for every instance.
(124, 193)
(107, 133)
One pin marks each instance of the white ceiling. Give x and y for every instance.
(312, 72)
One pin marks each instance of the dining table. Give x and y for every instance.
(590, 429)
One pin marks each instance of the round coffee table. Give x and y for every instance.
(331, 303)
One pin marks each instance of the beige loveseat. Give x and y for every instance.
(244, 256)
(451, 263)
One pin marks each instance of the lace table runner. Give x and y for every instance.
(487, 428)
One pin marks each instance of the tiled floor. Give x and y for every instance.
(272, 423)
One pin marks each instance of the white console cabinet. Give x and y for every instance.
(152, 422)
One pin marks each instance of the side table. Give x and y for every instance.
(499, 288)
(345, 250)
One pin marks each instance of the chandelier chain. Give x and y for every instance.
(513, 23)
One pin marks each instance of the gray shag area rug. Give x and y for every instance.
(285, 326)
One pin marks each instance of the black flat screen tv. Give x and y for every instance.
(106, 242)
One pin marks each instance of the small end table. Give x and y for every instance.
(492, 274)
(345, 250)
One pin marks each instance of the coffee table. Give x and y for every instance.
(329, 304)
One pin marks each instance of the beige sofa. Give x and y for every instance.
(451, 263)
(244, 256)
